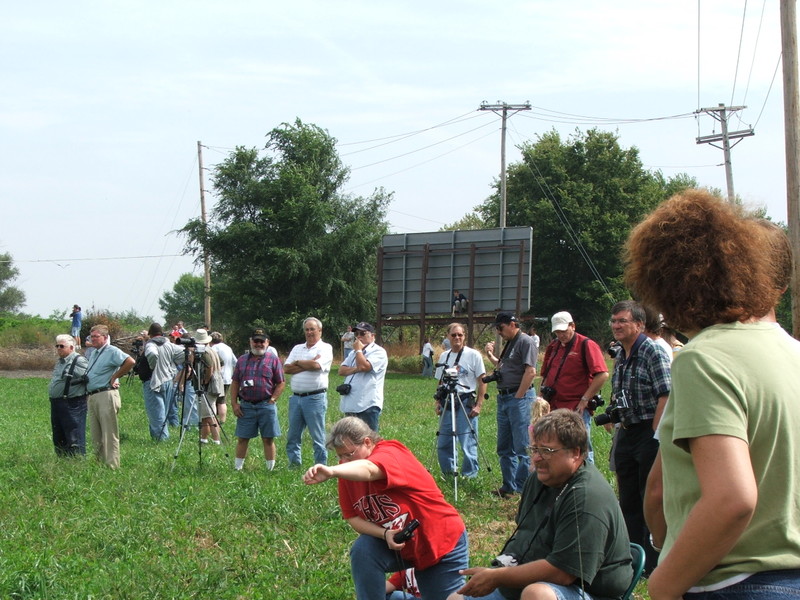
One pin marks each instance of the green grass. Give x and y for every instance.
(75, 529)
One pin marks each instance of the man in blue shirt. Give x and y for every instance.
(77, 317)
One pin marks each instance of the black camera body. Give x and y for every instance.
(547, 392)
(188, 342)
(618, 411)
(495, 376)
(594, 402)
(614, 348)
(344, 388)
(448, 384)
(506, 560)
(407, 532)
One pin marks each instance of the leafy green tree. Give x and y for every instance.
(285, 242)
(581, 196)
(11, 298)
(470, 221)
(184, 302)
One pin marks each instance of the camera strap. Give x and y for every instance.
(69, 376)
(567, 350)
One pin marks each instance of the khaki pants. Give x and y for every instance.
(103, 425)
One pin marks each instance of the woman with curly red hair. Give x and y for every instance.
(730, 435)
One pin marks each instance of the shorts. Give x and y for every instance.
(207, 409)
(258, 418)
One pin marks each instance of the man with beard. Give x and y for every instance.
(256, 385)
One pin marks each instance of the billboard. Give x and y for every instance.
(419, 271)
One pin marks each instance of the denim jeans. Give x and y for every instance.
(587, 420)
(68, 420)
(513, 419)
(371, 417)
(190, 416)
(155, 407)
(571, 592)
(172, 403)
(427, 366)
(464, 428)
(309, 412)
(767, 585)
(371, 559)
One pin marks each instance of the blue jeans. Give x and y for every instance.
(371, 417)
(562, 592)
(172, 404)
(427, 366)
(68, 420)
(155, 407)
(190, 416)
(464, 428)
(587, 420)
(767, 585)
(371, 559)
(308, 411)
(513, 419)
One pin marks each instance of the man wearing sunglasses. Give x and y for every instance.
(364, 369)
(256, 385)
(570, 540)
(67, 393)
(515, 369)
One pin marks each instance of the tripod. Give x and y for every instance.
(201, 402)
(461, 426)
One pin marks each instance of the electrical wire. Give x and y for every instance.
(738, 53)
(755, 51)
(771, 83)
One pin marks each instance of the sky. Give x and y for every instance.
(104, 103)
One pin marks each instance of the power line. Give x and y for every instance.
(739, 52)
(61, 260)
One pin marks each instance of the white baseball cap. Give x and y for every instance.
(561, 321)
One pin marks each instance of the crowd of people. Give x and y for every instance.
(704, 434)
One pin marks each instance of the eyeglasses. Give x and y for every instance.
(619, 321)
(258, 342)
(347, 455)
(544, 451)
(60, 346)
(456, 335)
(97, 335)
(361, 333)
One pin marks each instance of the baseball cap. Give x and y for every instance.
(561, 321)
(258, 334)
(364, 326)
(504, 318)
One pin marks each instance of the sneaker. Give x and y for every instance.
(502, 492)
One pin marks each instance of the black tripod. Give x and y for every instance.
(450, 400)
(194, 373)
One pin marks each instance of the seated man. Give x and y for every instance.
(459, 303)
(570, 541)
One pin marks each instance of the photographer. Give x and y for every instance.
(163, 358)
(640, 386)
(382, 489)
(570, 540)
(469, 390)
(573, 372)
(515, 369)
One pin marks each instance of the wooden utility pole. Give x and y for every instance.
(720, 113)
(792, 144)
(502, 109)
(206, 266)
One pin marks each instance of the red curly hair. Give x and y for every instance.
(700, 261)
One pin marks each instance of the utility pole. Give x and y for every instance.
(206, 266)
(502, 109)
(720, 113)
(792, 144)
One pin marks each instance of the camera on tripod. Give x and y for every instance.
(136, 347)
(190, 342)
(448, 383)
(619, 411)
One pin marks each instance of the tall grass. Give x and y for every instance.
(75, 529)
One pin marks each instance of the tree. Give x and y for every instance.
(184, 302)
(470, 221)
(11, 298)
(581, 197)
(284, 241)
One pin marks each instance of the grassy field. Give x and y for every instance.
(75, 529)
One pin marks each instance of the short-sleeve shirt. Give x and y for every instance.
(102, 365)
(523, 353)
(470, 367)
(308, 381)
(644, 376)
(367, 386)
(408, 492)
(257, 376)
(584, 360)
(58, 379)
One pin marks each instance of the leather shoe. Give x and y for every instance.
(503, 492)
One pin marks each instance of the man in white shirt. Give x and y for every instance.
(309, 365)
(364, 370)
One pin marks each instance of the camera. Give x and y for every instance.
(344, 388)
(614, 349)
(448, 383)
(408, 531)
(618, 411)
(506, 560)
(188, 342)
(495, 376)
(547, 392)
(136, 347)
(594, 402)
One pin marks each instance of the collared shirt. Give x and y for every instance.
(308, 381)
(58, 380)
(257, 376)
(584, 360)
(367, 386)
(644, 376)
(104, 363)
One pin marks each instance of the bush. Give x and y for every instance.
(405, 364)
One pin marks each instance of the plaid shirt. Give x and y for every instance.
(644, 376)
(265, 372)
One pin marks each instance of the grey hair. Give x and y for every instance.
(566, 426)
(350, 429)
(316, 321)
(65, 339)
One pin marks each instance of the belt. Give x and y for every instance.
(253, 401)
(312, 393)
(507, 391)
(98, 390)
